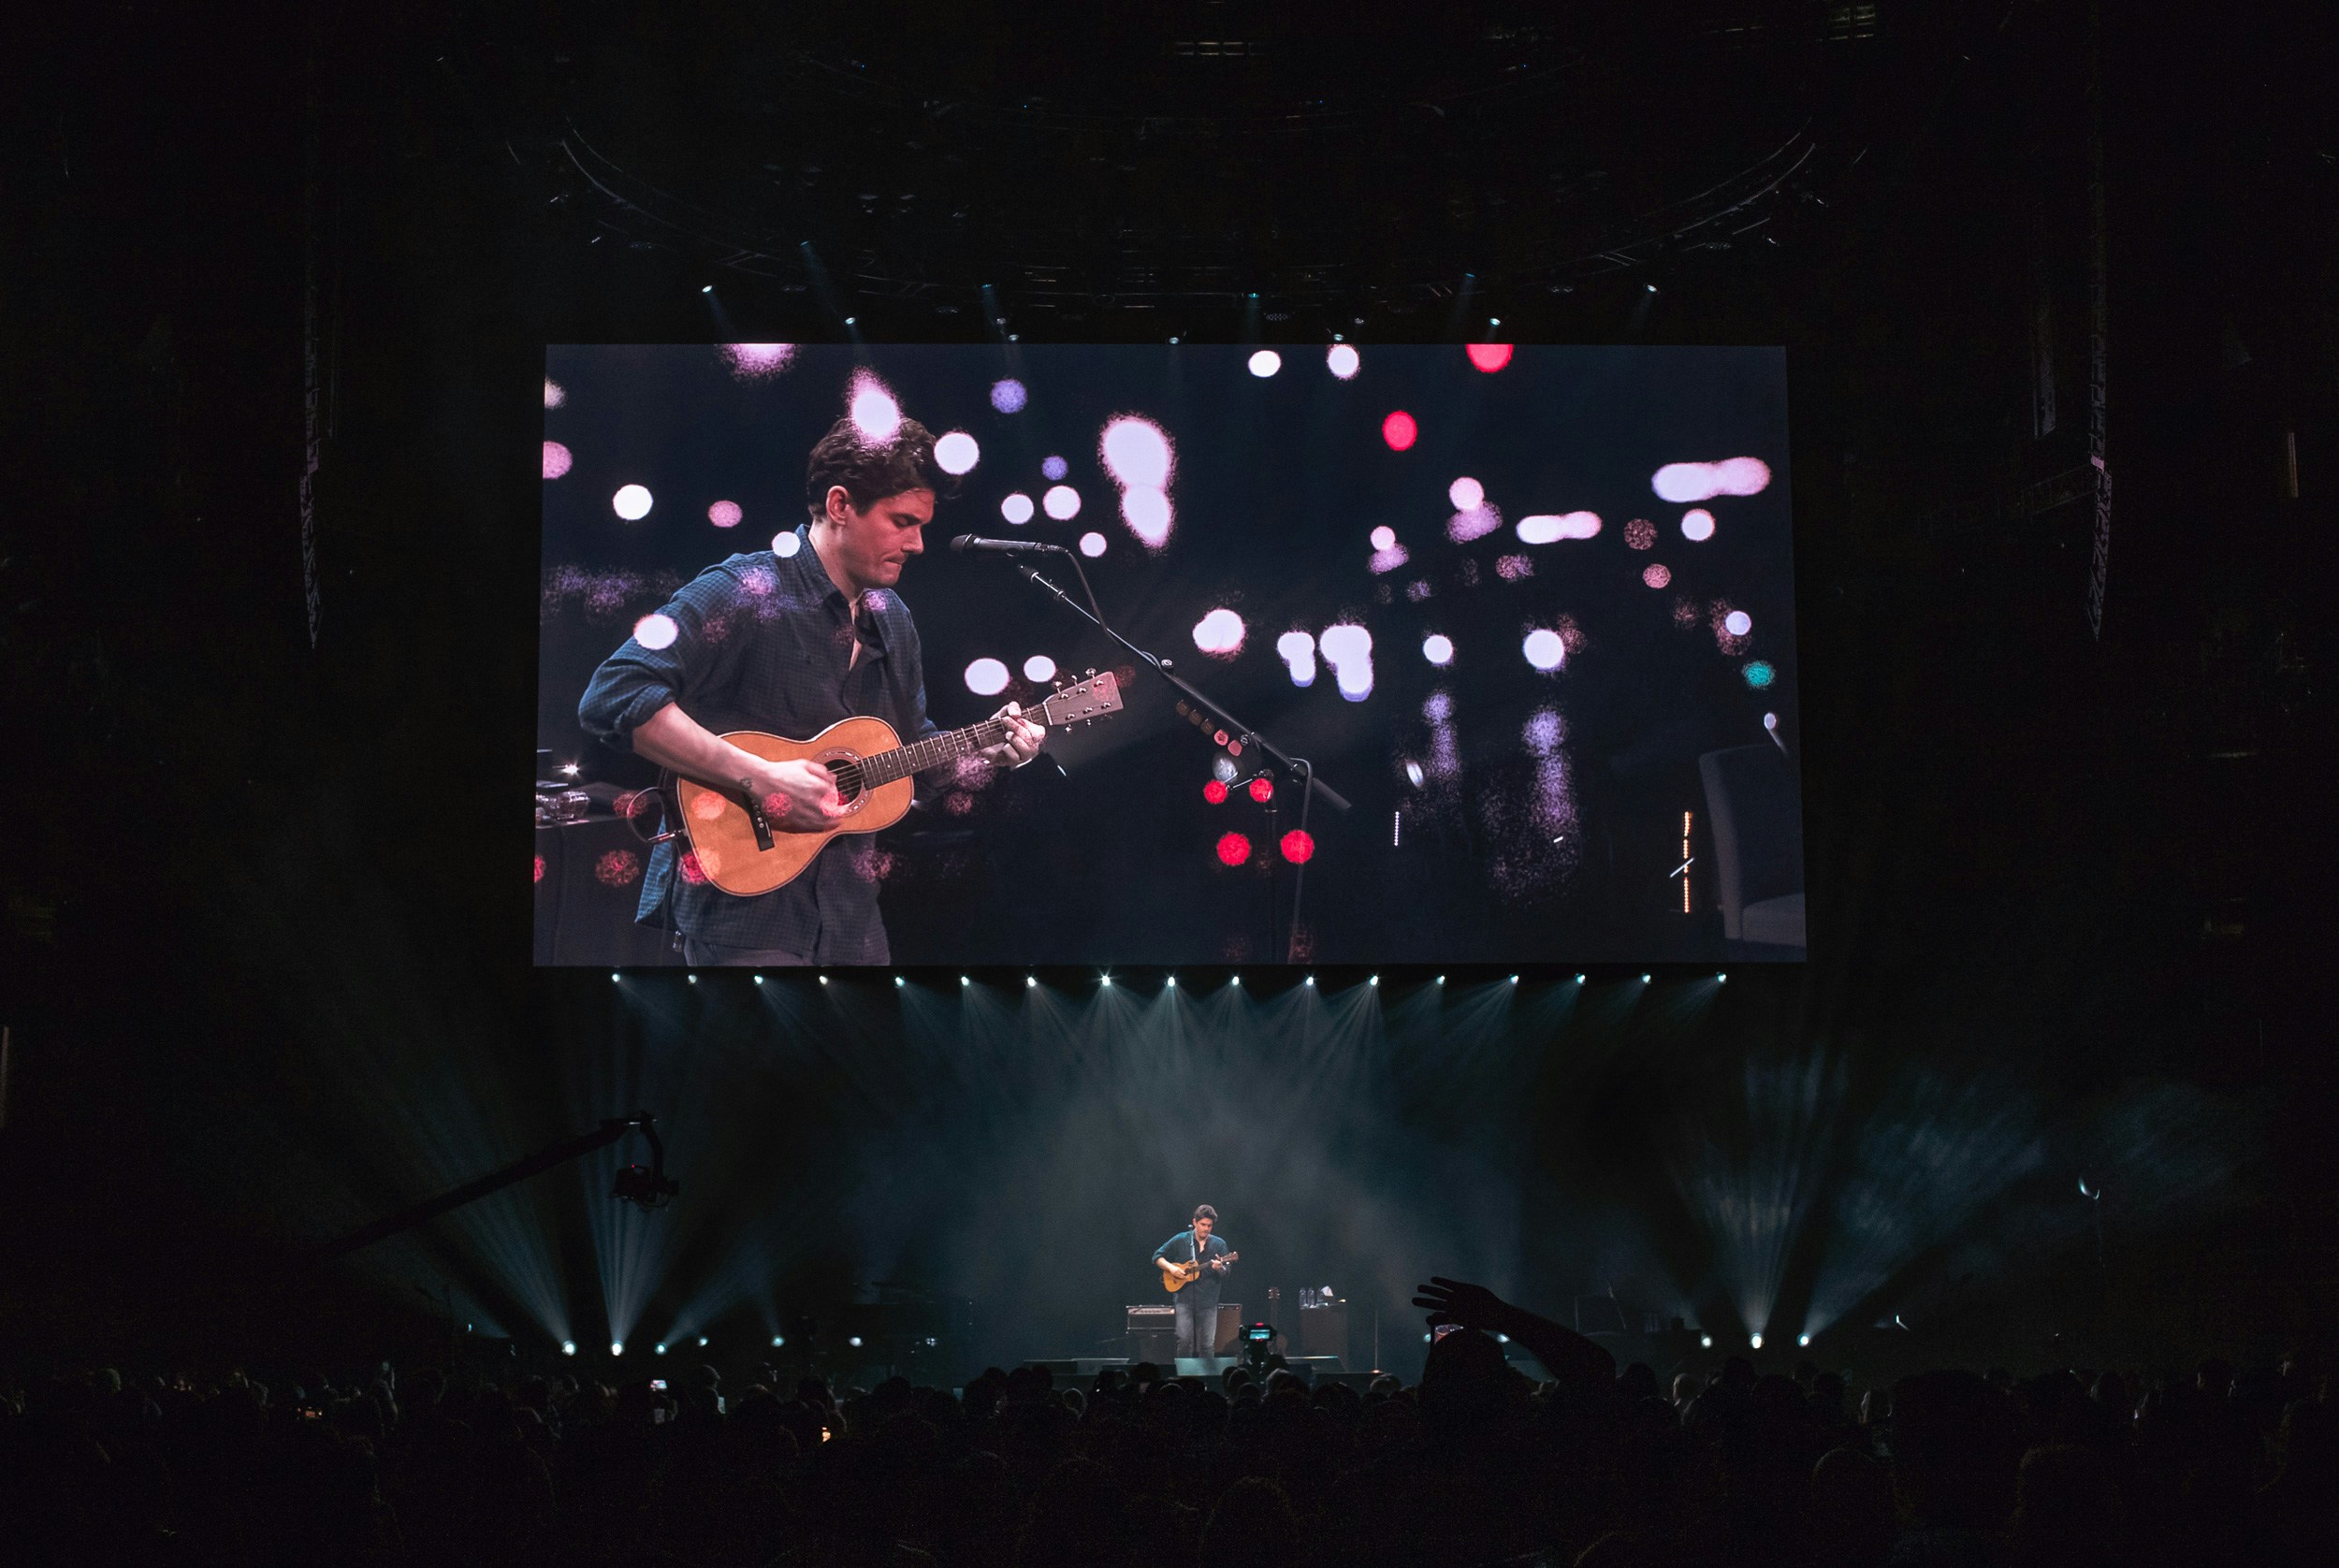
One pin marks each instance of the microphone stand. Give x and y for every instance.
(1299, 768)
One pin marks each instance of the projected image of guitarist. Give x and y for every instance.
(1194, 1264)
(809, 643)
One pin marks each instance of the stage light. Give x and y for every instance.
(898, 981)
(1298, 650)
(1722, 980)
(654, 630)
(854, 1341)
(1343, 361)
(706, 288)
(1234, 980)
(1384, 538)
(568, 1347)
(702, 1342)
(1544, 649)
(1514, 979)
(1222, 768)
(1062, 503)
(1008, 396)
(823, 979)
(963, 980)
(1311, 979)
(1466, 493)
(1053, 467)
(1348, 649)
(1734, 476)
(1650, 287)
(557, 459)
(779, 1341)
(616, 1347)
(1441, 979)
(848, 321)
(1171, 983)
(1738, 623)
(1438, 649)
(986, 677)
(724, 514)
(875, 413)
(613, 977)
(694, 980)
(1375, 980)
(631, 503)
(1756, 1341)
(1413, 775)
(1697, 524)
(1092, 544)
(1219, 633)
(759, 980)
(1803, 1339)
(1214, 791)
(956, 453)
(1106, 981)
(1489, 357)
(1400, 430)
(1262, 789)
(1644, 980)
(555, 394)
(1264, 363)
(661, 1349)
(758, 361)
(1706, 1341)
(1030, 980)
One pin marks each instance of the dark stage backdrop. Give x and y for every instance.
(1507, 601)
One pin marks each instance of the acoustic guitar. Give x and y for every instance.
(731, 837)
(1177, 1276)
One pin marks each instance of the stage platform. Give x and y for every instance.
(1310, 1368)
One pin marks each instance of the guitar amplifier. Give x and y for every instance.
(1154, 1334)
(1324, 1331)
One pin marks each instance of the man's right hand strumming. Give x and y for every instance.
(798, 796)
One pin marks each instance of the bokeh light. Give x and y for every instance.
(1092, 544)
(1438, 649)
(631, 503)
(1262, 789)
(1219, 633)
(617, 868)
(724, 514)
(1545, 649)
(654, 630)
(1016, 507)
(1656, 574)
(1136, 451)
(1264, 363)
(1489, 357)
(1698, 524)
(1512, 568)
(1344, 361)
(1400, 431)
(1542, 733)
(1298, 847)
(1383, 537)
(557, 459)
(1297, 651)
(1233, 849)
(1389, 557)
(1759, 674)
(1738, 623)
(986, 677)
(1641, 534)
(1053, 467)
(1214, 790)
(875, 412)
(555, 394)
(1146, 510)
(1476, 523)
(1465, 493)
(1009, 396)
(755, 361)
(1062, 503)
(956, 453)
(788, 543)
(1545, 529)
(1040, 669)
(1734, 476)
(1348, 649)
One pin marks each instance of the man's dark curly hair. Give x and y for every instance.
(870, 471)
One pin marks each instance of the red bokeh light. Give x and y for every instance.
(1214, 793)
(689, 869)
(1263, 789)
(1400, 430)
(1489, 357)
(540, 868)
(1234, 848)
(1298, 847)
(617, 868)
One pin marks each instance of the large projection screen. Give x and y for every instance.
(1527, 611)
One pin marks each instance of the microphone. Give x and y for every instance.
(967, 541)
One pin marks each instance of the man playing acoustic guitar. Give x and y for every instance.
(1194, 1263)
(790, 643)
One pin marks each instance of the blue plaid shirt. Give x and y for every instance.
(765, 641)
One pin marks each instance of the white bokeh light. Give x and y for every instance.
(1062, 503)
(1348, 649)
(1297, 651)
(1698, 524)
(786, 544)
(875, 413)
(1738, 623)
(1219, 633)
(557, 459)
(1465, 493)
(1438, 649)
(1092, 544)
(1734, 477)
(1544, 649)
(1016, 507)
(956, 453)
(555, 394)
(656, 631)
(724, 514)
(1136, 451)
(986, 677)
(1040, 669)
(1343, 360)
(1383, 537)
(1545, 528)
(1146, 510)
(1264, 363)
(631, 503)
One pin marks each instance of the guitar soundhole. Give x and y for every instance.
(846, 768)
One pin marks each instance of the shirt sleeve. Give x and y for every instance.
(1163, 1251)
(636, 681)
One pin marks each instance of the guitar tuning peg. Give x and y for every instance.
(1091, 668)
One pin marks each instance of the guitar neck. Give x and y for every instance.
(933, 751)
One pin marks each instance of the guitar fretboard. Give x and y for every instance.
(931, 752)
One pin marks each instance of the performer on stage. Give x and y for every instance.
(790, 644)
(1197, 1302)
